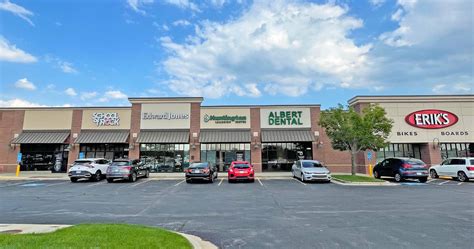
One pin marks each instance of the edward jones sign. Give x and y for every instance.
(431, 119)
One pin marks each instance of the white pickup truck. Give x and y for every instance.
(461, 168)
(93, 169)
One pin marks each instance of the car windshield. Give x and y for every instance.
(82, 162)
(241, 166)
(414, 162)
(312, 165)
(198, 166)
(123, 163)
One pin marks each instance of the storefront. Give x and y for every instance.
(430, 128)
(225, 135)
(104, 133)
(286, 137)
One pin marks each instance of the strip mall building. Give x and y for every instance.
(169, 133)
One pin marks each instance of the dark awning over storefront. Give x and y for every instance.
(102, 137)
(163, 136)
(270, 136)
(42, 137)
(225, 136)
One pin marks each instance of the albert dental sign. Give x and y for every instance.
(285, 118)
(431, 119)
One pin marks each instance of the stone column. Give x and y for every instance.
(194, 145)
(75, 131)
(430, 154)
(11, 123)
(134, 152)
(255, 145)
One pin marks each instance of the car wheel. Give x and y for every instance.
(73, 179)
(302, 178)
(423, 180)
(433, 174)
(97, 177)
(252, 180)
(376, 174)
(188, 181)
(133, 177)
(462, 177)
(110, 180)
(398, 177)
(211, 178)
(147, 174)
(293, 173)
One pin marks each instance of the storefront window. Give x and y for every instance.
(107, 151)
(399, 150)
(44, 157)
(222, 155)
(281, 156)
(456, 150)
(165, 157)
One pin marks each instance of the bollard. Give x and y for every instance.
(370, 169)
(18, 170)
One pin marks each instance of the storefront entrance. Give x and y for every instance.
(165, 157)
(44, 157)
(222, 155)
(281, 156)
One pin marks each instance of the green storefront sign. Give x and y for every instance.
(225, 119)
(285, 118)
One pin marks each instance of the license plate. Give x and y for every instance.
(419, 173)
(197, 171)
(78, 171)
(115, 170)
(241, 172)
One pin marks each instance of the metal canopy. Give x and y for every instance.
(287, 136)
(41, 137)
(225, 136)
(102, 137)
(162, 136)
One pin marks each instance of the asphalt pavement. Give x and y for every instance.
(282, 213)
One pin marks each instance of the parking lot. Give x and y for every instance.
(282, 213)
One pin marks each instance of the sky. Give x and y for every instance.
(100, 53)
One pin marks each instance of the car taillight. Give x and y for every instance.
(470, 168)
(126, 167)
(406, 166)
(206, 170)
(231, 170)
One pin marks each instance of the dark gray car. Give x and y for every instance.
(201, 171)
(310, 170)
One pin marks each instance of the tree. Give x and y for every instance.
(354, 132)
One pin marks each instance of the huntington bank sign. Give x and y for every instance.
(293, 118)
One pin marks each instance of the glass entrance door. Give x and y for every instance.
(222, 155)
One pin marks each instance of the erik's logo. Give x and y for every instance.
(206, 118)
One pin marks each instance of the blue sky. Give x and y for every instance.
(98, 53)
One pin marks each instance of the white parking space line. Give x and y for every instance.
(258, 179)
(299, 181)
(431, 180)
(141, 182)
(95, 184)
(443, 183)
(19, 183)
(460, 183)
(179, 183)
(220, 182)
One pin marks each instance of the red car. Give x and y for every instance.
(240, 170)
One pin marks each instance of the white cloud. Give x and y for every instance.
(88, 95)
(17, 10)
(276, 46)
(453, 88)
(181, 22)
(218, 3)
(25, 84)
(70, 91)
(184, 4)
(18, 103)
(9, 52)
(136, 5)
(113, 95)
(67, 67)
(377, 3)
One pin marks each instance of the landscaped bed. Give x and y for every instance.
(355, 178)
(98, 236)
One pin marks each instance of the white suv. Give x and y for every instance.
(461, 168)
(93, 169)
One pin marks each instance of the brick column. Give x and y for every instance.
(75, 130)
(430, 155)
(194, 145)
(315, 113)
(134, 152)
(256, 145)
(11, 123)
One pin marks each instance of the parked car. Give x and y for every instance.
(127, 169)
(93, 169)
(310, 170)
(461, 168)
(240, 170)
(401, 168)
(201, 171)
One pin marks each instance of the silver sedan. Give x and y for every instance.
(310, 170)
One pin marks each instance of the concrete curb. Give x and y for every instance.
(344, 183)
(195, 241)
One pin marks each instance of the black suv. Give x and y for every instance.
(127, 169)
(402, 168)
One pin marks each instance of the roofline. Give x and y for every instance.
(64, 108)
(410, 98)
(256, 106)
(165, 99)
